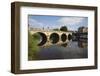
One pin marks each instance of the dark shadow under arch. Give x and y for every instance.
(43, 38)
(63, 37)
(69, 36)
(54, 37)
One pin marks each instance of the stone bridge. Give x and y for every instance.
(52, 37)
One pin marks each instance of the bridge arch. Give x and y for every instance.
(54, 38)
(63, 37)
(69, 37)
(42, 38)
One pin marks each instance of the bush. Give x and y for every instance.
(32, 47)
(64, 28)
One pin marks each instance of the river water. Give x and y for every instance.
(71, 50)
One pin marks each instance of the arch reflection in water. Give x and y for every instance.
(64, 45)
(82, 44)
(54, 38)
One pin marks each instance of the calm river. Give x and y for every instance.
(71, 50)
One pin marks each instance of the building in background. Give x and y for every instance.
(83, 29)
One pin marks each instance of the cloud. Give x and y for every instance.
(34, 23)
(73, 23)
(70, 20)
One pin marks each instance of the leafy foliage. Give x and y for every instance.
(64, 28)
(56, 29)
(32, 47)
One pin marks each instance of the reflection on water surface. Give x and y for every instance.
(72, 50)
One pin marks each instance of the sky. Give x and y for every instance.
(45, 21)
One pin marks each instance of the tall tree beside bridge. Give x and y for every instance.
(64, 28)
(32, 47)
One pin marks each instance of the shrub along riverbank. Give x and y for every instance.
(32, 46)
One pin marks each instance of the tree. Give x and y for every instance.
(56, 29)
(64, 28)
(32, 47)
(80, 29)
